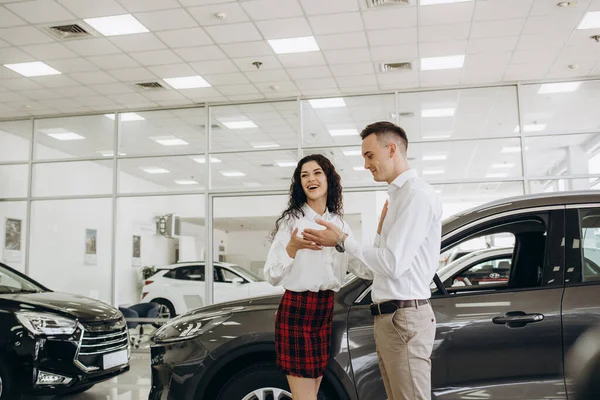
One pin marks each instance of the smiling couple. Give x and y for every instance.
(313, 249)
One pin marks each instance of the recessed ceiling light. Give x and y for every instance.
(155, 170)
(294, 45)
(531, 128)
(438, 191)
(503, 165)
(437, 157)
(169, 141)
(439, 112)
(360, 168)
(109, 153)
(240, 125)
(563, 87)
(438, 136)
(36, 68)
(126, 117)
(433, 172)
(432, 2)
(511, 149)
(185, 182)
(252, 184)
(350, 153)
(590, 21)
(233, 174)
(66, 136)
(450, 62)
(286, 164)
(343, 132)
(124, 24)
(202, 160)
(265, 145)
(327, 103)
(499, 175)
(187, 82)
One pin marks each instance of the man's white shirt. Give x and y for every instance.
(406, 254)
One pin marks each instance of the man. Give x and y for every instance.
(404, 260)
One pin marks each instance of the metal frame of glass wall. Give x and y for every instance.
(210, 194)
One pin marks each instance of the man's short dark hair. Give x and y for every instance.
(384, 128)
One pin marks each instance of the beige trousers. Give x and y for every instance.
(404, 343)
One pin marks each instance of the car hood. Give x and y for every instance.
(245, 305)
(80, 307)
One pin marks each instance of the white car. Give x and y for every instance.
(180, 287)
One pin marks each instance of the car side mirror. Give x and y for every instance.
(238, 280)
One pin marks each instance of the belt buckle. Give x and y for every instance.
(379, 308)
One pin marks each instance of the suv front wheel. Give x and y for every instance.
(260, 382)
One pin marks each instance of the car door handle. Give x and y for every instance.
(517, 319)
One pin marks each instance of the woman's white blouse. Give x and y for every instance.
(311, 270)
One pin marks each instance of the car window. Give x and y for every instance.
(230, 276)
(13, 283)
(590, 244)
(190, 273)
(172, 274)
(487, 272)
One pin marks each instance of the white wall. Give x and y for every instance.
(12, 147)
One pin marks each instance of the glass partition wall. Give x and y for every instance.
(176, 206)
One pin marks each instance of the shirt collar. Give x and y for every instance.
(402, 179)
(311, 214)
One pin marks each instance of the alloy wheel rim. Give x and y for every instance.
(0, 386)
(268, 393)
(164, 312)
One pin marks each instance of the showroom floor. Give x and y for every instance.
(133, 385)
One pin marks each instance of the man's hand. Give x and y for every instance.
(382, 218)
(297, 243)
(327, 237)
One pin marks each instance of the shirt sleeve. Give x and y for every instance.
(279, 263)
(408, 232)
(355, 265)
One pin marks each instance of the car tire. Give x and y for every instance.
(6, 389)
(165, 307)
(260, 376)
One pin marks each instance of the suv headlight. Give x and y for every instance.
(46, 323)
(188, 327)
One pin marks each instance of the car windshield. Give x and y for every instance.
(13, 283)
(247, 273)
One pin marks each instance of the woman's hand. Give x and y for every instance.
(382, 218)
(298, 243)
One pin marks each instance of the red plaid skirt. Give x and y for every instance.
(303, 333)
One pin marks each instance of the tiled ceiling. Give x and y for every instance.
(502, 40)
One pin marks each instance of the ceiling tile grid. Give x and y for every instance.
(227, 43)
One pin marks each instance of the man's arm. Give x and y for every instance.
(409, 230)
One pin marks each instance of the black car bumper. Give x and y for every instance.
(177, 369)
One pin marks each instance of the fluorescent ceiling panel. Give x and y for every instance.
(185, 182)
(155, 170)
(202, 160)
(116, 25)
(359, 168)
(187, 82)
(327, 103)
(126, 117)
(343, 132)
(265, 145)
(109, 153)
(36, 68)
(436, 157)
(240, 125)
(590, 21)
(433, 2)
(232, 174)
(562, 87)
(436, 63)
(66, 136)
(438, 112)
(169, 141)
(294, 45)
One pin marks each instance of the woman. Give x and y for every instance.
(310, 274)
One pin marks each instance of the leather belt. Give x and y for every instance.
(388, 307)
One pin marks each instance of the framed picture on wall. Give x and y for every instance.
(12, 239)
(137, 251)
(90, 257)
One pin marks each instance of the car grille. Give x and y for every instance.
(98, 340)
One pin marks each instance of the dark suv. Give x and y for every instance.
(502, 339)
(56, 343)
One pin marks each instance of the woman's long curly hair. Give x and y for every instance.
(298, 197)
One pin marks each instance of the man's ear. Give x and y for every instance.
(393, 149)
